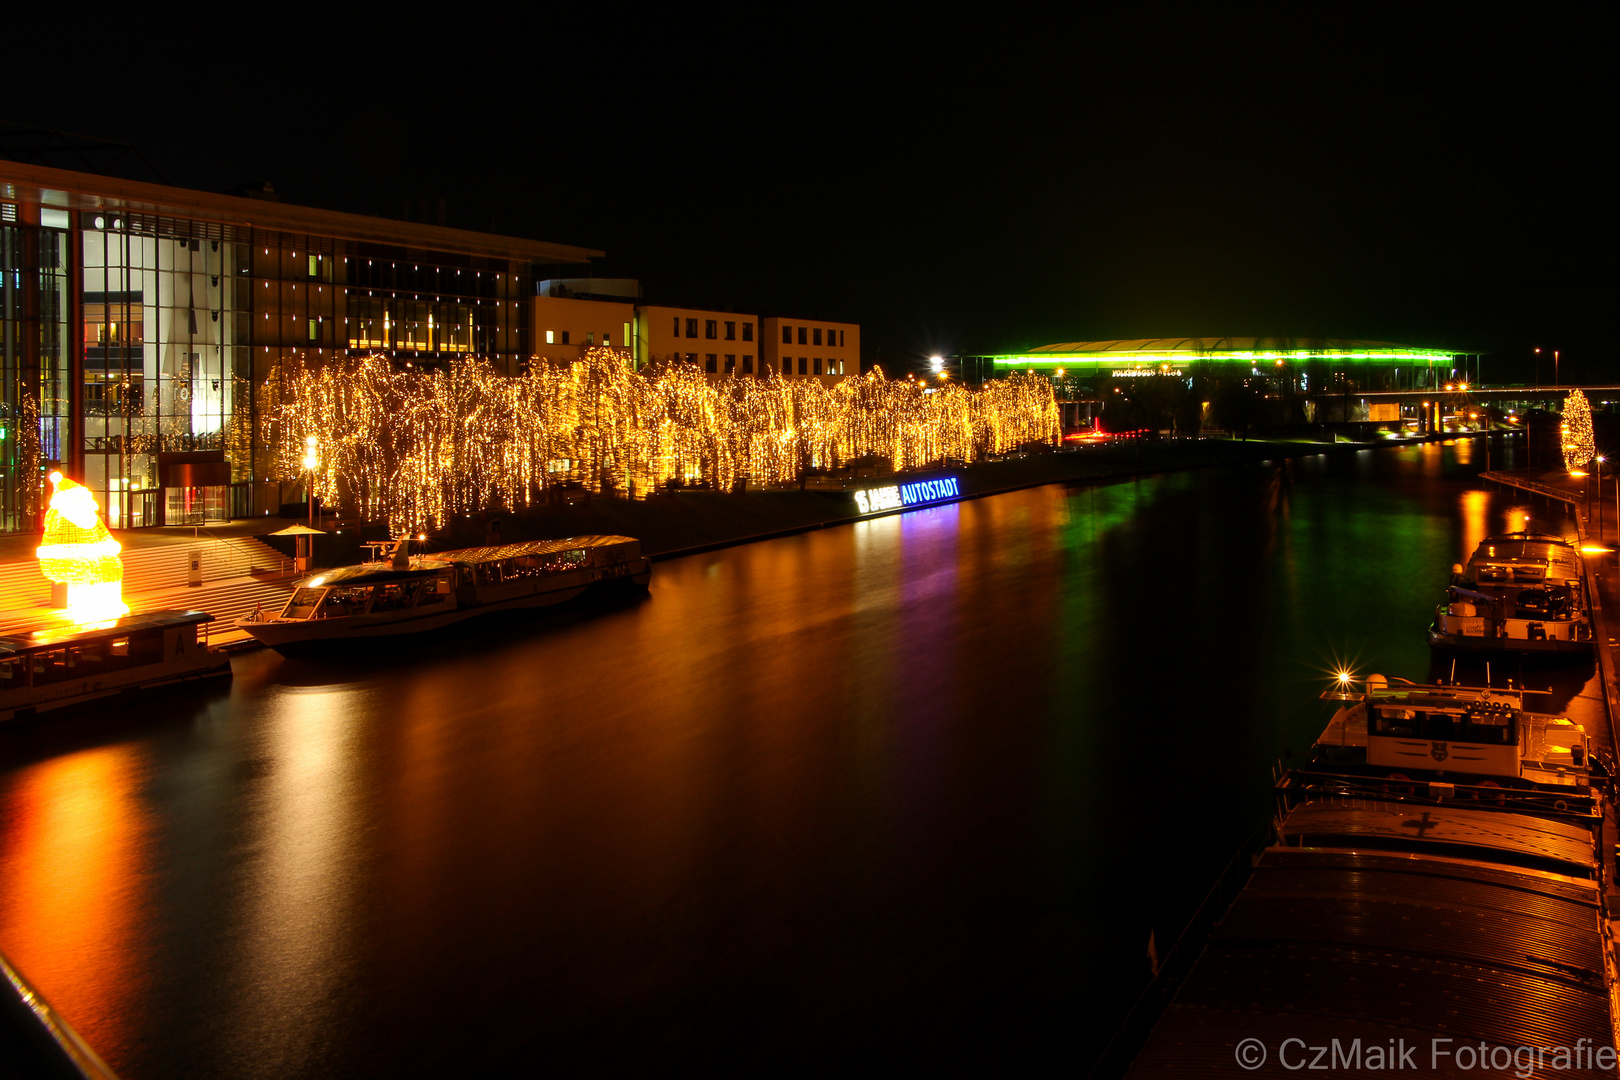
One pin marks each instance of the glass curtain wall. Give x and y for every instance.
(160, 360)
(35, 420)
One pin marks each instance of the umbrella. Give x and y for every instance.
(298, 530)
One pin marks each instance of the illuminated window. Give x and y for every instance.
(314, 266)
(551, 337)
(709, 362)
(627, 335)
(731, 331)
(691, 328)
(748, 331)
(815, 336)
(590, 337)
(710, 330)
(314, 330)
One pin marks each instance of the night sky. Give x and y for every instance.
(985, 182)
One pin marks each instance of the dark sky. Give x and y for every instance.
(973, 182)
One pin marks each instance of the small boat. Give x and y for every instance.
(61, 666)
(1521, 592)
(404, 595)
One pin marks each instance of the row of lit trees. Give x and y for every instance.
(413, 448)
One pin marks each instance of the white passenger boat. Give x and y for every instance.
(61, 666)
(1521, 592)
(404, 595)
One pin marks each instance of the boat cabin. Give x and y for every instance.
(55, 666)
(1469, 730)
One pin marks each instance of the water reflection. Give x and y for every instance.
(74, 873)
(867, 794)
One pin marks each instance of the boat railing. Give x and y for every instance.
(37, 1040)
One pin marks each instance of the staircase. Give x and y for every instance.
(238, 573)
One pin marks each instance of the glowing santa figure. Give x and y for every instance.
(79, 552)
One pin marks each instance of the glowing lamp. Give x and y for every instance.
(78, 551)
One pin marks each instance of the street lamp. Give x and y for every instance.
(312, 462)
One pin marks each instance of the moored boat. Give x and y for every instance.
(1521, 592)
(403, 595)
(68, 665)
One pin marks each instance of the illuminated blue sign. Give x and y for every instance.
(900, 496)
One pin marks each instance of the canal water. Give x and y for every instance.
(911, 792)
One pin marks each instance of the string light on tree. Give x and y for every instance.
(414, 448)
(1580, 445)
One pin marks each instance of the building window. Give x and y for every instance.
(691, 328)
(840, 342)
(590, 337)
(314, 266)
(803, 369)
(314, 330)
(787, 335)
(748, 331)
(710, 329)
(815, 336)
(840, 366)
(731, 363)
(677, 326)
(802, 336)
(748, 364)
(818, 365)
(565, 337)
(708, 362)
(551, 337)
(691, 357)
(627, 335)
(731, 331)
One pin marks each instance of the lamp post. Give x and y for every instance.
(311, 462)
(1598, 461)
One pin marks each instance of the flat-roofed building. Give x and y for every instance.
(139, 324)
(810, 349)
(563, 327)
(720, 343)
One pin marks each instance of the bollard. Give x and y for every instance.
(194, 567)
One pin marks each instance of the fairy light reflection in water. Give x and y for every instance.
(908, 792)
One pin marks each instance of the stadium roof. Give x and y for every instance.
(1244, 349)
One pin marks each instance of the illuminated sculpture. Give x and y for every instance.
(79, 552)
(1580, 447)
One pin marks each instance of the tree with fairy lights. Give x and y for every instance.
(1580, 446)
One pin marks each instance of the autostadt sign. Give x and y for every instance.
(900, 496)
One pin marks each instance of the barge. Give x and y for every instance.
(1521, 593)
(403, 595)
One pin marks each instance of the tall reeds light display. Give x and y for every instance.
(413, 448)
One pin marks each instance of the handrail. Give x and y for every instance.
(1530, 485)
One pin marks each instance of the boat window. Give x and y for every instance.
(303, 604)
(118, 646)
(1490, 728)
(146, 648)
(13, 672)
(53, 665)
(344, 602)
(489, 573)
(1492, 573)
(1397, 722)
(395, 597)
(434, 592)
(1527, 573)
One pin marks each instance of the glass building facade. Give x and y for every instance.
(135, 343)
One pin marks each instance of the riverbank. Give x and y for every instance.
(670, 525)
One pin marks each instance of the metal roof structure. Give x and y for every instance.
(70, 190)
(1385, 924)
(1148, 352)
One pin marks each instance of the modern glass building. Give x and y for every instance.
(138, 323)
